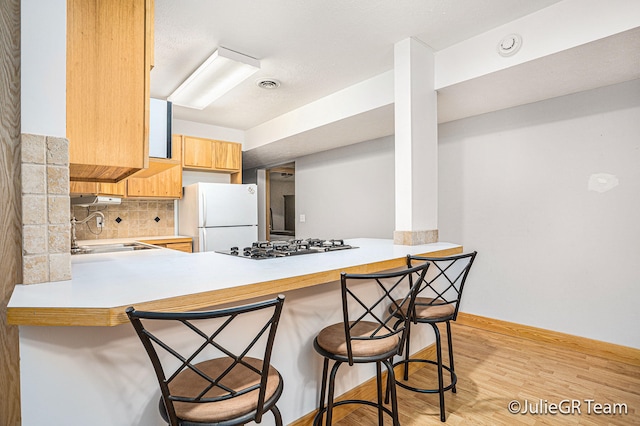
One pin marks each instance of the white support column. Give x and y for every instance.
(263, 188)
(416, 144)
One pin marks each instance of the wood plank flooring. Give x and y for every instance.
(494, 369)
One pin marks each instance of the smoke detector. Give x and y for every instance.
(510, 45)
(268, 83)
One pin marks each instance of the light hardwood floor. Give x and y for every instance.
(494, 369)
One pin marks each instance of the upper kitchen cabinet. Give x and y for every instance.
(212, 155)
(109, 55)
(166, 182)
(162, 180)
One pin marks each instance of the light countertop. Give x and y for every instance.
(103, 285)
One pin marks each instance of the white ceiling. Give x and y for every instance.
(314, 47)
(318, 47)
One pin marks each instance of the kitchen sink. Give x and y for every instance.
(111, 248)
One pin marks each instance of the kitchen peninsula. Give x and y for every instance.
(81, 367)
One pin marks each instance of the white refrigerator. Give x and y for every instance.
(219, 216)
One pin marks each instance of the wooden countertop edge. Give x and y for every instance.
(167, 240)
(108, 317)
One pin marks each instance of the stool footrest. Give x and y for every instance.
(320, 413)
(399, 381)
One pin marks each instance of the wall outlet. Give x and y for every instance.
(303, 218)
(99, 222)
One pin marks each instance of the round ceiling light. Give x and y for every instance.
(268, 83)
(510, 45)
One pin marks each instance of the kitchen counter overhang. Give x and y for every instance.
(104, 285)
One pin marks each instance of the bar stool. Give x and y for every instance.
(366, 334)
(438, 301)
(217, 383)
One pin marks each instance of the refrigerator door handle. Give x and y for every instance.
(204, 239)
(204, 209)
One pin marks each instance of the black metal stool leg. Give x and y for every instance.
(452, 369)
(386, 392)
(406, 353)
(323, 388)
(392, 388)
(405, 363)
(440, 379)
(332, 383)
(277, 415)
(379, 385)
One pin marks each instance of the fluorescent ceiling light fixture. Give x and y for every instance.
(221, 72)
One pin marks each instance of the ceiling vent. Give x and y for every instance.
(268, 83)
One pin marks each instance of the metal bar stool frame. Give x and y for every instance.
(388, 282)
(446, 299)
(259, 367)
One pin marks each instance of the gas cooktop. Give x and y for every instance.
(272, 249)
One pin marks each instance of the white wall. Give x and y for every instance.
(193, 176)
(43, 67)
(201, 130)
(514, 185)
(347, 192)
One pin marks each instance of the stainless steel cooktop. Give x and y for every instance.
(273, 249)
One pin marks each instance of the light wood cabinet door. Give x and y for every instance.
(185, 247)
(97, 188)
(109, 45)
(197, 153)
(180, 243)
(166, 184)
(227, 155)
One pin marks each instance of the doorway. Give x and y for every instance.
(281, 206)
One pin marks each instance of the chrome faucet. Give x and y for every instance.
(74, 241)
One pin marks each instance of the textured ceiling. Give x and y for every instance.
(314, 47)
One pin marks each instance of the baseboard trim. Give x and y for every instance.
(366, 390)
(611, 351)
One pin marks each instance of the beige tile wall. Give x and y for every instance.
(137, 219)
(45, 208)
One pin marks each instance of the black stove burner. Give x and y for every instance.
(268, 250)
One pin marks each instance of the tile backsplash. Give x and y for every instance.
(131, 218)
(45, 202)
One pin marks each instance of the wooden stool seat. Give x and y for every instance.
(333, 339)
(189, 384)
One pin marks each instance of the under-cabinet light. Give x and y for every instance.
(221, 72)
